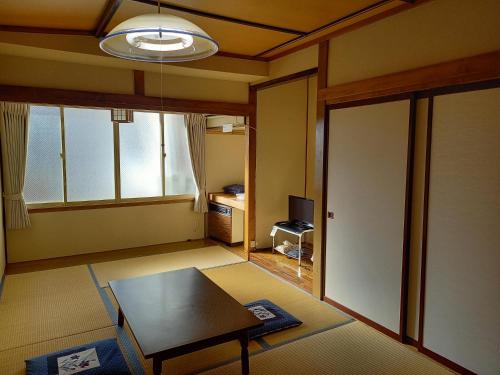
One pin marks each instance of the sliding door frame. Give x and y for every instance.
(410, 150)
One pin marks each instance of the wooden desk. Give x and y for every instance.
(227, 199)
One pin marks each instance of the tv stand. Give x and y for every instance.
(295, 228)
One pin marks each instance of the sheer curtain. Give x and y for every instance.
(178, 171)
(14, 138)
(196, 126)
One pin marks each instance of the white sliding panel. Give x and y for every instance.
(366, 192)
(462, 304)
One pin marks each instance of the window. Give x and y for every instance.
(44, 168)
(89, 154)
(178, 170)
(140, 156)
(79, 155)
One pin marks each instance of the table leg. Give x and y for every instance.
(300, 250)
(121, 318)
(156, 366)
(245, 367)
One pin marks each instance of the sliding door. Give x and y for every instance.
(461, 319)
(366, 201)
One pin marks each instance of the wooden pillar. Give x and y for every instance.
(139, 82)
(250, 136)
(320, 175)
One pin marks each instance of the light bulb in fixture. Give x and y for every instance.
(159, 40)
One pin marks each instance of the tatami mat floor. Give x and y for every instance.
(51, 310)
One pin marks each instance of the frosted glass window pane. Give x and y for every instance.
(178, 170)
(89, 154)
(44, 176)
(140, 156)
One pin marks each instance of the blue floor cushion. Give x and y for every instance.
(274, 318)
(101, 357)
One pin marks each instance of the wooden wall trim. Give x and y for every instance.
(478, 68)
(425, 215)
(445, 361)
(250, 166)
(99, 205)
(45, 30)
(410, 156)
(139, 87)
(320, 177)
(362, 318)
(285, 79)
(38, 95)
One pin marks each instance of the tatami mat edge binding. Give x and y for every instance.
(122, 334)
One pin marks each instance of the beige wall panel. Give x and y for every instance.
(303, 59)
(55, 234)
(462, 303)
(225, 161)
(281, 153)
(433, 32)
(197, 88)
(416, 222)
(55, 74)
(366, 192)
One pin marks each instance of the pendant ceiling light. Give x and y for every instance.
(158, 38)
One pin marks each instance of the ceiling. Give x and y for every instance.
(254, 29)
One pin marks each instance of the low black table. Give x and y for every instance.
(179, 312)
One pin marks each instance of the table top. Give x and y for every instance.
(171, 311)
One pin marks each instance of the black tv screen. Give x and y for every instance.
(300, 209)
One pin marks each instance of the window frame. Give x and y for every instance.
(118, 201)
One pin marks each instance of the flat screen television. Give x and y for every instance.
(300, 209)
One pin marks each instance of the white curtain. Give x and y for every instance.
(14, 139)
(196, 126)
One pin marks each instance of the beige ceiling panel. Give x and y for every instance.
(59, 14)
(339, 28)
(293, 14)
(231, 37)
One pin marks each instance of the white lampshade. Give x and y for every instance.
(158, 38)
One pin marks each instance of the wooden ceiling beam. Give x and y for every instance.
(44, 30)
(222, 18)
(106, 16)
(38, 95)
